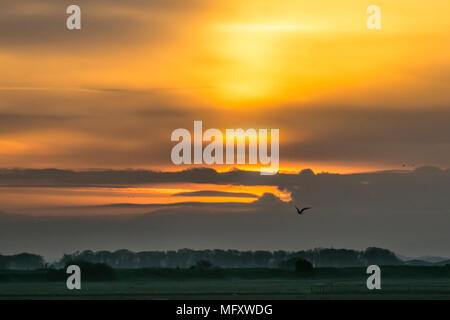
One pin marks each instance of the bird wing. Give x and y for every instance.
(307, 208)
(298, 210)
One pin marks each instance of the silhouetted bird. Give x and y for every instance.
(303, 210)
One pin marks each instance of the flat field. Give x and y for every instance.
(265, 284)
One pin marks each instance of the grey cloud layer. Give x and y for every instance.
(405, 211)
(41, 24)
(132, 128)
(212, 193)
(395, 136)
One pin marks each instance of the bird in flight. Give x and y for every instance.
(302, 210)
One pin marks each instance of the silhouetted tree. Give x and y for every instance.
(380, 257)
(203, 264)
(303, 267)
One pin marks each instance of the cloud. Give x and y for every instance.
(17, 122)
(269, 199)
(41, 25)
(212, 193)
(121, 127)
(384, 135)
(86, 178)
(196, 204)
(46, 30)
(406, 211)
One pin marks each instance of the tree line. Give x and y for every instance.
(186, 258)
(22, 261)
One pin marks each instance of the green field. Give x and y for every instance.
(345, 283)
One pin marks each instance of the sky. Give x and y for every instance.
(99, 104)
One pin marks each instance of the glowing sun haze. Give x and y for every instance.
(109, 95)
(86, 118)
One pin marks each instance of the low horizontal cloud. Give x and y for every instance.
(406, 211)
(42, 24)
(117, 178)
(213, 193)
(19, 122)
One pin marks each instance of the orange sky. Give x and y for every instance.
(109, 95)
(49, 201)
(345, 99)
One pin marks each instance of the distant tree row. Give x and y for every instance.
(90, 271)
(23, 261)
(185, 258)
